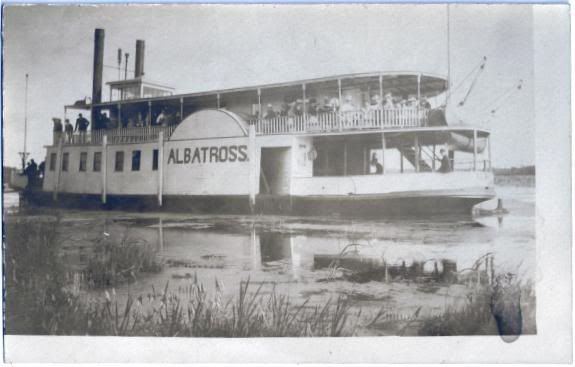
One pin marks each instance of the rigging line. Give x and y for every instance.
(504, 96)
(475, 79)
(479, 65)
(116, 68)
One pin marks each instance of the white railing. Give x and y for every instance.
(343, 121)
(144, 134)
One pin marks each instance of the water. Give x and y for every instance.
(405, 266)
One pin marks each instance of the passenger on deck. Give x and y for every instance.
(285, 108)
(389, 104)
(334, 104)
(378, 168)
(324, 107)
(104, 121)
(375, 102)
(425, 103)
(348, 106)
(161, 118)
(445, 163)
(69, 130)
(31, 172)
(82, 127)
(41, 169)
(298, 108)
(270, 113)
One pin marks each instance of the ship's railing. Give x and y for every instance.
(144, 134)
(343, 121)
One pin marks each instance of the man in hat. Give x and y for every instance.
(81, 127)
(270, 113)
(445, 163)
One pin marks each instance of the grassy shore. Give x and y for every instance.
(40, 299)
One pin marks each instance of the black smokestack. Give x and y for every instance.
(98, 66)
(98, 69)
(140, 48)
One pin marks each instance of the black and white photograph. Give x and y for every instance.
(271, 172)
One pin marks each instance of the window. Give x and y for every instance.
(52, 161)
(136, 160)
(155, 160)
(65, 159)
(119, 166)
(97, 164)
(83, 160)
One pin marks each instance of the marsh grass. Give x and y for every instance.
(505, 308)
(39, 300)
(119, 262)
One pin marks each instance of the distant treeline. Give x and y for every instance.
(515, 171)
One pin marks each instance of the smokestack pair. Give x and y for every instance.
(99, 64)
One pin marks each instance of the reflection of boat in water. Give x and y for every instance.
(222, 151)
(362, 268)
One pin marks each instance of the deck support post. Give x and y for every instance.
(401, 162)
(418, 89)
(253, 169)
(383, 146)
(104, 167)
(181, 110)
(345, 158)
(149, 122)
(489, 151)
(304, 103)
(260, 114)
(475, 149)
(160, 168)
(161, 234)
(417, 155)
(433, 160)
(218, 101)
(339, 98)
(120, 125)
(58, 168)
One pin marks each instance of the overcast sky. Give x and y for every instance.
(203, 47)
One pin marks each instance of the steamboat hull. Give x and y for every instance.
(415, 204)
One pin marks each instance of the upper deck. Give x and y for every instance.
(352, 102)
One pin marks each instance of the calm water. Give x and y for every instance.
(430, 264)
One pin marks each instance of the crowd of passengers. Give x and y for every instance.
(312, 107)
(164, 118)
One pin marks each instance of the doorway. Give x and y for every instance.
(275, 171)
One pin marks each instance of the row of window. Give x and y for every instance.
(97, 161)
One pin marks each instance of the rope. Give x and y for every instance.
(480, 65)
(481, 68)
(498, 102)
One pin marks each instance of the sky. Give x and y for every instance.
(204, 47)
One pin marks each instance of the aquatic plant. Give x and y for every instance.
(504, 307)
(115, 263)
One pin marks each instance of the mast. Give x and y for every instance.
(448, 93)
(24, 153)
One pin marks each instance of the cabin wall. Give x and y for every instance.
(128, 182)
(73, 180)
(207, 167)
(393, 183)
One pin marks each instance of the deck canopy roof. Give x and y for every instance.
(397, 83)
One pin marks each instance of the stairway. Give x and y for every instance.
(409, 153)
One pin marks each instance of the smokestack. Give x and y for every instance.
(98, 68)
(140, 48)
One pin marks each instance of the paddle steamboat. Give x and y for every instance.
(354, 145)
